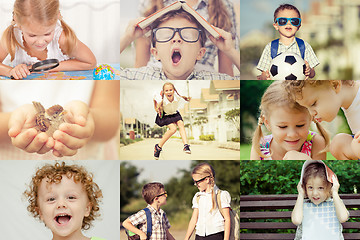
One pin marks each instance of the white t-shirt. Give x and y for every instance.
(352, 114)
(169, 107)
(210, 222)
(14, 94)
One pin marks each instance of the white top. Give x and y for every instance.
(14, 94)
(169, 107)
(53, 48)
(352, 114)
(210, 222)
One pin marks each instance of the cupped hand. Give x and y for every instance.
(76, 132)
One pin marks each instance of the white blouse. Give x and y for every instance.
(210, 222)
(169, 107)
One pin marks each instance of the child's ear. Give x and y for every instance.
(88, 209)
(201, 53)
(154, 52)
(336, 85)
(276, 26)
(267, 125)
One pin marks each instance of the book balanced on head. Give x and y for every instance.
(176, 6)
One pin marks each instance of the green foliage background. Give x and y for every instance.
(282, 177)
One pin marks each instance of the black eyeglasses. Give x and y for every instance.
(282, 21)
(200, 180)
(165, 34)
(165, 193)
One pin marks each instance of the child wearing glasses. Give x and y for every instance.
(211, 222)
(287, 21)
(178, 43)
(155, 196)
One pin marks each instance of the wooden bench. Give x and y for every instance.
(257, 210)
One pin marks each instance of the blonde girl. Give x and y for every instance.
(38, 32)
(219, 13)
(166, 105)
(289, 124)
(211, 224)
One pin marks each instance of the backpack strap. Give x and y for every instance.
(301, 46)
(148, 223)
(274, 48)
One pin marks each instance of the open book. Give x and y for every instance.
(176, 6)
(329, 172)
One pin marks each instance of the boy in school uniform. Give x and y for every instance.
(178, 42)
(287, 21)
(155, 196)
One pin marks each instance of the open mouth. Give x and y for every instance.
(176, 57)
(62, 219)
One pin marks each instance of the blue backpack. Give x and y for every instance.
(133, 236)
(275, 46)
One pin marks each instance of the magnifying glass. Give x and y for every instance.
(44, 65)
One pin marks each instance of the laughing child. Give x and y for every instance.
(65, 199)
(178, 42)
(287, 21)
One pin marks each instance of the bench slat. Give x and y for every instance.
(271, 197)
(286, 225)
(279, 215)
(286, 236)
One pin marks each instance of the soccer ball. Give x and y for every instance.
(287, 66)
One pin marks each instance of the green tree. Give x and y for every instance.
(128, 182)
(233, 116)
(251, 92)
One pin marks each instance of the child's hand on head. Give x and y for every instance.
(23, 133)
(20, 71)
(133, 31)
(300, 190)
(76, 132)
(225, 43)
(335, 186)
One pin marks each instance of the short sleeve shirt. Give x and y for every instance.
(352, 114)
(265, 60)
(169, 107)
(210, 222)
(160, 222)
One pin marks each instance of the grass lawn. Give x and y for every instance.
(246, 148)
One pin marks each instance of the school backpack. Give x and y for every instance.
(133, 236)
(275, 46)
(234, 218)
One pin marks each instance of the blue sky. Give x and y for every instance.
(256, 14)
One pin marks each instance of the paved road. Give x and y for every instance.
(173, 150)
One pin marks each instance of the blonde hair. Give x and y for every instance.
(54, 174)
(295, 87)
(218, 14)
(276, 95)
(206, 170)
(44, 12)
(162, 94)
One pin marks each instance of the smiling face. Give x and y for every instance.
(178, 57)
(289, 128)
(322, 101)
(317, 190)
(288, 30)
(37, 36)
(63, 206)
(169, 92)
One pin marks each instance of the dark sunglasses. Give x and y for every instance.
(282, 21)
(165, 193)
(200, 180)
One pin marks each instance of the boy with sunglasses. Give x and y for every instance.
(178, 42)
(155, 196)
(287, 20)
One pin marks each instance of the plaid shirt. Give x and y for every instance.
(202, 8)
(160, 222)
(265, 60)
(153, 73)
